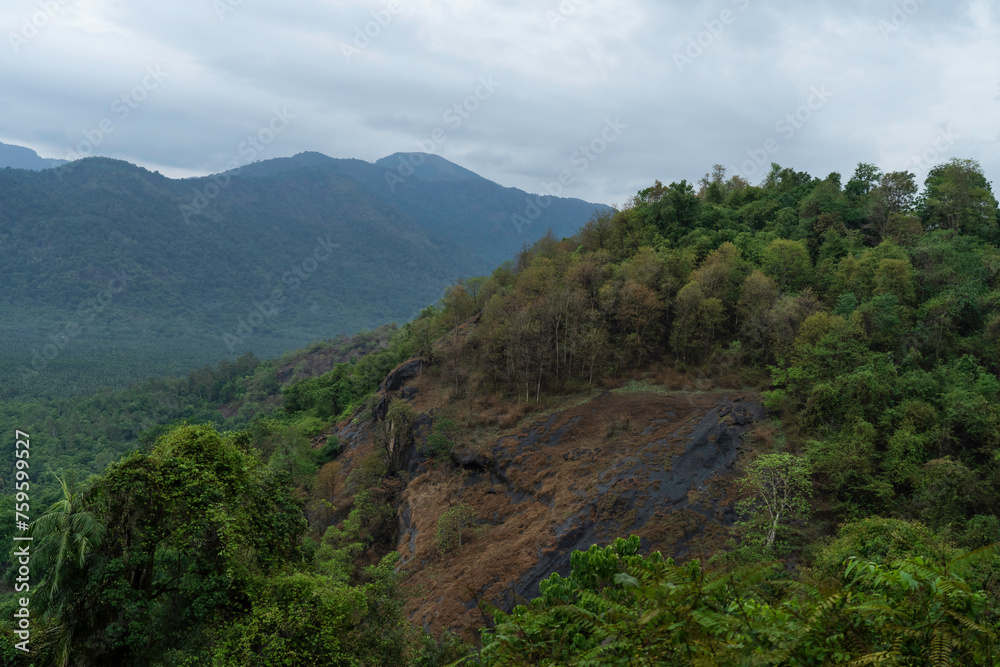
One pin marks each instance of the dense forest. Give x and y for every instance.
(103, 258)
(865, 313)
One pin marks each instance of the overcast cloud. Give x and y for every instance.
(685, 85)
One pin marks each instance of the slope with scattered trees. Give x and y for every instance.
(862, 512)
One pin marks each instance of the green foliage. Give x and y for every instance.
(81, 436)
(438, 445)
(342, 544)
(778, 487)
(787, 262)
(393, 434)
(618, 608)
(368, 473)
(958, 196)
(450, 525)
(882, 541)
(306, 619)
(338, 392)
(331, 448)
(189, 526)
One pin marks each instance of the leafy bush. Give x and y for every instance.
(451, 524)
(438, 445)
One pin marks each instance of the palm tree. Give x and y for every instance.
(66, 535)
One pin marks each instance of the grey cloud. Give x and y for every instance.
(898, 70)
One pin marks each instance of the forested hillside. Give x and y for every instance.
(323, 508)
(105, 260)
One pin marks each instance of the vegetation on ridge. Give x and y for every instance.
(869, 315)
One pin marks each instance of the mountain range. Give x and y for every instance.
(106, 260)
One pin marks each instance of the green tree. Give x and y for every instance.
(189, 527)
(894, 196)
(959, 197)
(787, 262)
(67, 536)
(778, 488)
(758, 295)
(307, 619)
(696, 321)
(451, 523)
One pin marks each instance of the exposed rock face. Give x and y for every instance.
(656, 465)
(641, 486)
(401, 375)
(472, 460)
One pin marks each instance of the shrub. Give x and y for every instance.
(450, 525)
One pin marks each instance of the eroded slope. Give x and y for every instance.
(650, 462)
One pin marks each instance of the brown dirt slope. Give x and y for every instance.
(654, 463)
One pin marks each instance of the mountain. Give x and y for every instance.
(103, 259)
(483, 217)
(683, 435)
(18, 157)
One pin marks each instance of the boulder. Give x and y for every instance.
(401, 375)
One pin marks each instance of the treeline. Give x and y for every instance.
(870, 312)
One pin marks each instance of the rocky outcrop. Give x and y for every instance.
(656, 465)
(641, 487)
(401, 375)
(471, 460)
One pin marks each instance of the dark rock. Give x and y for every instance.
(629, 488)
(470, 460)
(400, 375)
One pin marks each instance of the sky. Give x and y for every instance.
(593, 99)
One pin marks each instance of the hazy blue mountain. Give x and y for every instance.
(487, 219)
(19, 157)
(112, 273)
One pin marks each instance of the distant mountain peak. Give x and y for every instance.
(427, 167)
(19, 157)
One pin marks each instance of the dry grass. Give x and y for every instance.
(559, 481)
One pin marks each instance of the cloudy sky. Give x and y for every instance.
(608, 94)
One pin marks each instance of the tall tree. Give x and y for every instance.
(779, 488)
(958, 196)
(67, 536)
(894, 195)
